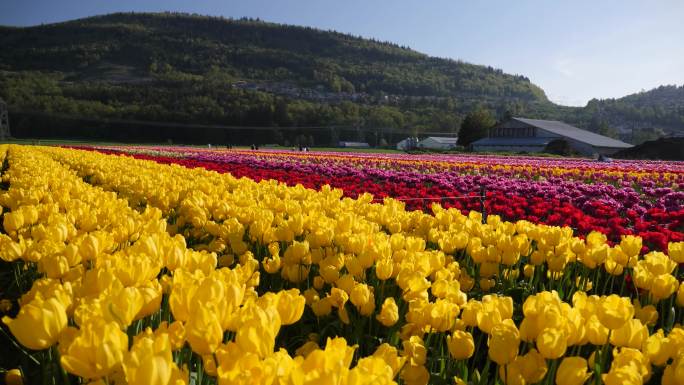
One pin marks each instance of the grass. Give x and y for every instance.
(75, 142)
(58, 142)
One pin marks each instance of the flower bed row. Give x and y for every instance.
(584, 207)
(625, 173)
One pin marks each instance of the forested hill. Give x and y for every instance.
(661, 107)
(175, 67)
(205, 70)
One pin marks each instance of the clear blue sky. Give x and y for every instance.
(575, 50)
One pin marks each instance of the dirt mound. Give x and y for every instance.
(663, 148)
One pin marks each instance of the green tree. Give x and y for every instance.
(606, 130)
(475, 126)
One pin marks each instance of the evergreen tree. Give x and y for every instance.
(475, 126)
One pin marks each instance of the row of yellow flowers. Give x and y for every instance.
(137, 272)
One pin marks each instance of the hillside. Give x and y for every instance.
(213, 71)
(662, 108)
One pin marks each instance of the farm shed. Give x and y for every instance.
(533, 135)
(438, 143)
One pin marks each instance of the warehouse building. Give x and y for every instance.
(438, 143)
(533, 135)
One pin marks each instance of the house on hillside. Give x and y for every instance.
(533, 135)
(438, 143)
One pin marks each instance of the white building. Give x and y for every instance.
(408, 144)
(354, 144)
(533, 135)
(438, 143)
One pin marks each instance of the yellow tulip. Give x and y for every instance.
(511, 374)
(383, 269)
(152, 297)
(597, 334)
(470, 311)
(614, 311)
(321, 307)
(622, 376)
(415, 375)
(391, 357)
(272, 265)
(632, 334)
(203, 331)
(442, 315)
(10, 251)
(658, 348)
(648, 315)
(633, 359)
(552, 343)
(503, 342)
(149, 361)
(675, 251)
(572, 371)
(631, 245)
(338, 297)
(528, 270)
(318, 282)
(461, 345)
(533, 366)
(346, 283)
(90, 247)
(414, 351)
(371, 370)
(663, 286)
(257, 329)
(39, 323)
(360, 295)
(237, 367)
(290, 306)
(657, 263)
(175, 333)
(123, 306)
(389, 313)
(54, 266)
(14, 377)
(13, 221)
(95, 350)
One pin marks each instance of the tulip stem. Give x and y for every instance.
(58, 366)
(551, 375)
(485, 372)
(45, 366)
(602, 360)
(624, 278)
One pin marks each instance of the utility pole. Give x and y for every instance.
(4, 121)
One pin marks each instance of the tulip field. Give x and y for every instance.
(179, 265)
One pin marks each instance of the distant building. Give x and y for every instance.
(438, 143)
(354, 144)
(408, 144)
(533, 135)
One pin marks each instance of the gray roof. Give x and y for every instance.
(575, 133)
(443, 139)
(515, 141)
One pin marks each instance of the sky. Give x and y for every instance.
(575, 50)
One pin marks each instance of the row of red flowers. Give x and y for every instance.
(553, 212)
